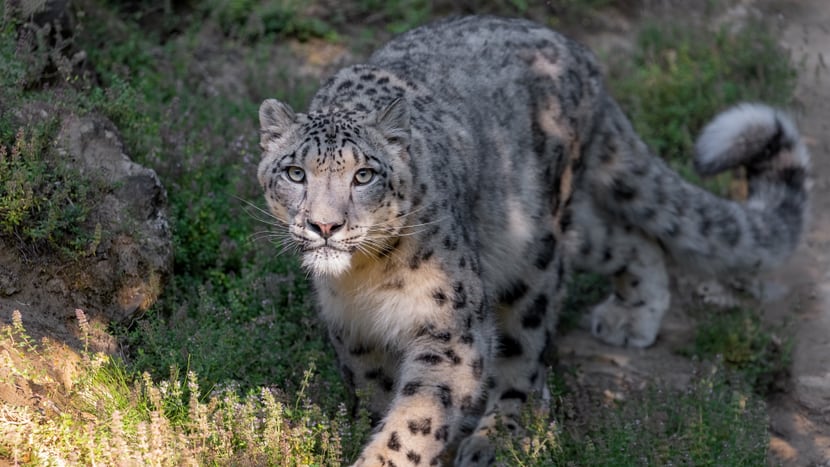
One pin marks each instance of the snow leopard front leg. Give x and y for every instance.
(526, 318)
(439, 384)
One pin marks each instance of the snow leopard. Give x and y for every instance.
(440, 194)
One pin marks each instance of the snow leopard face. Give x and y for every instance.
(337, 180)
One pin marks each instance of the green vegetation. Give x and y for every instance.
(41, 204)
(231, 365)
(584, 290)
(718, 420)
(115, 416)
(681, 75)
(252, 19)
(744, 344)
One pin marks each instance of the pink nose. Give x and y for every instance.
(324, 230)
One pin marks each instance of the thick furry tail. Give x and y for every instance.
(752, 135)
(766, 142)
(699, 228)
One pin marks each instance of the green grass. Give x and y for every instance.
(234, 311)
(255, 19)
(744, 344)
(44, 203)
(113, 415)
(718, 420)
(231, 366)
(682, 75)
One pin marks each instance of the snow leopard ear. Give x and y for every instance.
(393, 122)
(275, 119)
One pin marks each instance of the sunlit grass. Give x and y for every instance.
(104, 414)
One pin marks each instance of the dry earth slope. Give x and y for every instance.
(800, 419)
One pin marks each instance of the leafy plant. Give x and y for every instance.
(717, 421)
(41, 203)
(110, 415)
(740, 339)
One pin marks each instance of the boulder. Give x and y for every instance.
(122, 273)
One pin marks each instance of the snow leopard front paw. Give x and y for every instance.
(620, 324)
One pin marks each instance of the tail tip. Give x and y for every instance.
(743, 134)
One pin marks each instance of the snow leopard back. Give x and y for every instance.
(493, 103)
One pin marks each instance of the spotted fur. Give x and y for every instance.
(440, 192)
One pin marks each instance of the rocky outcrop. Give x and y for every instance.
(123, 272)
(136, 249)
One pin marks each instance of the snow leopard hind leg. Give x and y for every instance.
(631, 314)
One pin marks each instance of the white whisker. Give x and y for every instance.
(262, 215)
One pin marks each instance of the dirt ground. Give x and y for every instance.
(800, 419)
(798, 302)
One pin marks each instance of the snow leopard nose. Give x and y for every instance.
(324, 230)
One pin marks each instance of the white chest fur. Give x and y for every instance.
(376, 305)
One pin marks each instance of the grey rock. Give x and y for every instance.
(121, 273)
(137, 245)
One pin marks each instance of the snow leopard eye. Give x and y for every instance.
(364, 176)
(295, 174)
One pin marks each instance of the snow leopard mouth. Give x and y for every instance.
(327, 260)
(324, 248)
(328, 249)
(310, 245)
